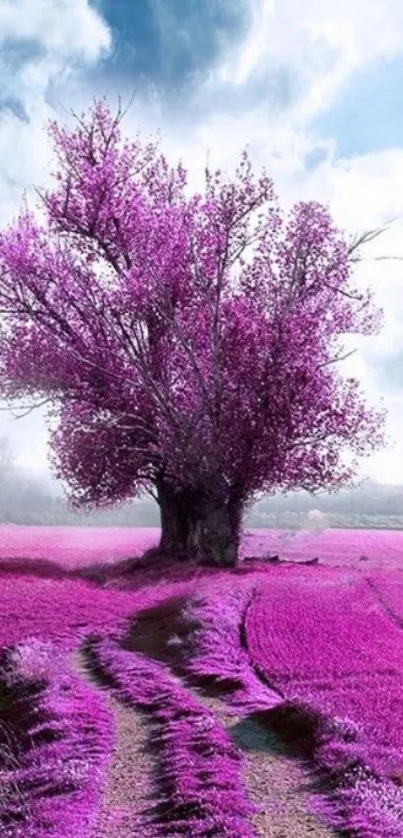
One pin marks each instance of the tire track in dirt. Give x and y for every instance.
(278, 782)
(128, 784)
(278, 765)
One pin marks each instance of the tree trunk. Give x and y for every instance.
(196, 525)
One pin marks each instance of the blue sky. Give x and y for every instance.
(313, 90)
(367, 114)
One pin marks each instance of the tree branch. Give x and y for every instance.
(26, 408)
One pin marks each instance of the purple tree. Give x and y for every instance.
(186, 345)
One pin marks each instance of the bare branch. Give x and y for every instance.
(366, 237)
(384, 258)
(153, 495)
(338, 358)
(189, 351)
(342, 292)
(26, 408)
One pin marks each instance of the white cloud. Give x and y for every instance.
(70, 35)
(65, 28)
(320, 43)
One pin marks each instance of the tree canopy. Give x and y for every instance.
(183, 343)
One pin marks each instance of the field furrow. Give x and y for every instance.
(337, 657)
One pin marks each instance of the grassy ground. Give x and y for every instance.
(163, 698)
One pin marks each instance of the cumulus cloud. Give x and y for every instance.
(320, 44)
(40, 41)
(64, 28)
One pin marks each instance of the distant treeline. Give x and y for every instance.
(28, 500)
(370, 498)
(370, 505)
(331, 520)
(25, 499)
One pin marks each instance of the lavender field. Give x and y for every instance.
(139, 697)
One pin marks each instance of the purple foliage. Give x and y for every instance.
(190, 339)
(61, 774)
(217, 649)
(321, 643)
(324, 640)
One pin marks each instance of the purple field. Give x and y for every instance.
(101, 649)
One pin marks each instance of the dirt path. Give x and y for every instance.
(277, 781)
(129, 780)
